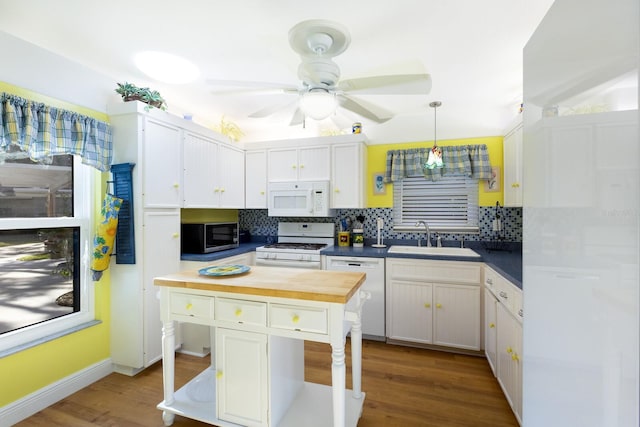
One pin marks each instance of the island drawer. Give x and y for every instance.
(295, 318)
(191, 305)
(241, 311)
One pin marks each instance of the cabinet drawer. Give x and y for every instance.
(240, 311)
(296, 318)
(491, 279)
(192, 305)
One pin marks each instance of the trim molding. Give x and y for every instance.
(48, 395)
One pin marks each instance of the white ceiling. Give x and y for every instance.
(472, 50)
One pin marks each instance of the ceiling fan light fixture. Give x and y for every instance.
(318, 104)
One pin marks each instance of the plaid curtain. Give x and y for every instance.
(469, 160)
(41, 131)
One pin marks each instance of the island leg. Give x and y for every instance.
(356, 357)
(338, 380)
(168, 367)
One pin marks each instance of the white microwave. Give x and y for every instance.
(299, 199)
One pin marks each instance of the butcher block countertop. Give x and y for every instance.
(294, 283)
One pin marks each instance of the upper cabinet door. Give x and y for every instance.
(162, 165)
(299, 164)
(256, 179)
(347, 176)
(200, 160)
(314, 163)
(231, 178)
(512, 151)
(283, 164)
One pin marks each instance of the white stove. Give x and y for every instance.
(299, 245)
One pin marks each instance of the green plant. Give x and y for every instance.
(131, 92)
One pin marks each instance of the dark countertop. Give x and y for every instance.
(506, 262)
(243, 248)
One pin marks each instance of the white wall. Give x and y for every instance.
(30, 67)
(581, 217)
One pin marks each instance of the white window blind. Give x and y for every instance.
(447, 205)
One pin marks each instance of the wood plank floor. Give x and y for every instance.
(405, 387)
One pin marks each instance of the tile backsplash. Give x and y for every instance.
(259, 223)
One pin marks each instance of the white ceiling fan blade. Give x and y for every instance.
(272, 109)
(239, 87)
(250, 92)
(298, 118)
(400, 84)
(365, 109)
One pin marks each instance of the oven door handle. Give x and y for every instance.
(282, 263)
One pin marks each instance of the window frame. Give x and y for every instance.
(84, 207)
(460, 184)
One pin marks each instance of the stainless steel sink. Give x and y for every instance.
(423, 250)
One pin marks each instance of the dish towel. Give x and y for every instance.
(105, 235)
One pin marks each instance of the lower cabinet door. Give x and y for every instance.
(410, 311)
(490, 329)
(509, 348)
(241, 377)
(456, 316)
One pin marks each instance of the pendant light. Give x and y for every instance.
(434, 160)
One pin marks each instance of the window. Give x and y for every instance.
(447, 205)
(46, 214)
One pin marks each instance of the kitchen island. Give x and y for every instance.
(259, 321)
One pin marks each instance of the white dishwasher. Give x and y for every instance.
(373, 316)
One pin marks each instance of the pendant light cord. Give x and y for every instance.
(435, 105)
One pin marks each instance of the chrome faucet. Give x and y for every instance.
(427, 231)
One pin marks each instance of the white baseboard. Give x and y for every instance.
(47, 396)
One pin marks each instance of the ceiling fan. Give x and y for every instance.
(321, 90)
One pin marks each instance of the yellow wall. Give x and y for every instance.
(29, 370)
(191, 216)
(377, 161)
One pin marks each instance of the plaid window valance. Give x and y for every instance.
(468, 160)
(41, 131)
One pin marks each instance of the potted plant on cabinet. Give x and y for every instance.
(131, 92)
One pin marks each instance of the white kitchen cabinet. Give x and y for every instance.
(136, 329)
(213, 173)
(241, 372)
(490, 331)
(433, 302)
(512, 161)
(256, 179)
(456, 316)
(410, 311)
(153, 142)
(503, 335)
(299, 164)
(200, 162)
(231, 177)
(509, 355)
(348, 168)
(155, 146)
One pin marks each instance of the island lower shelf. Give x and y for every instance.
(309, 408)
